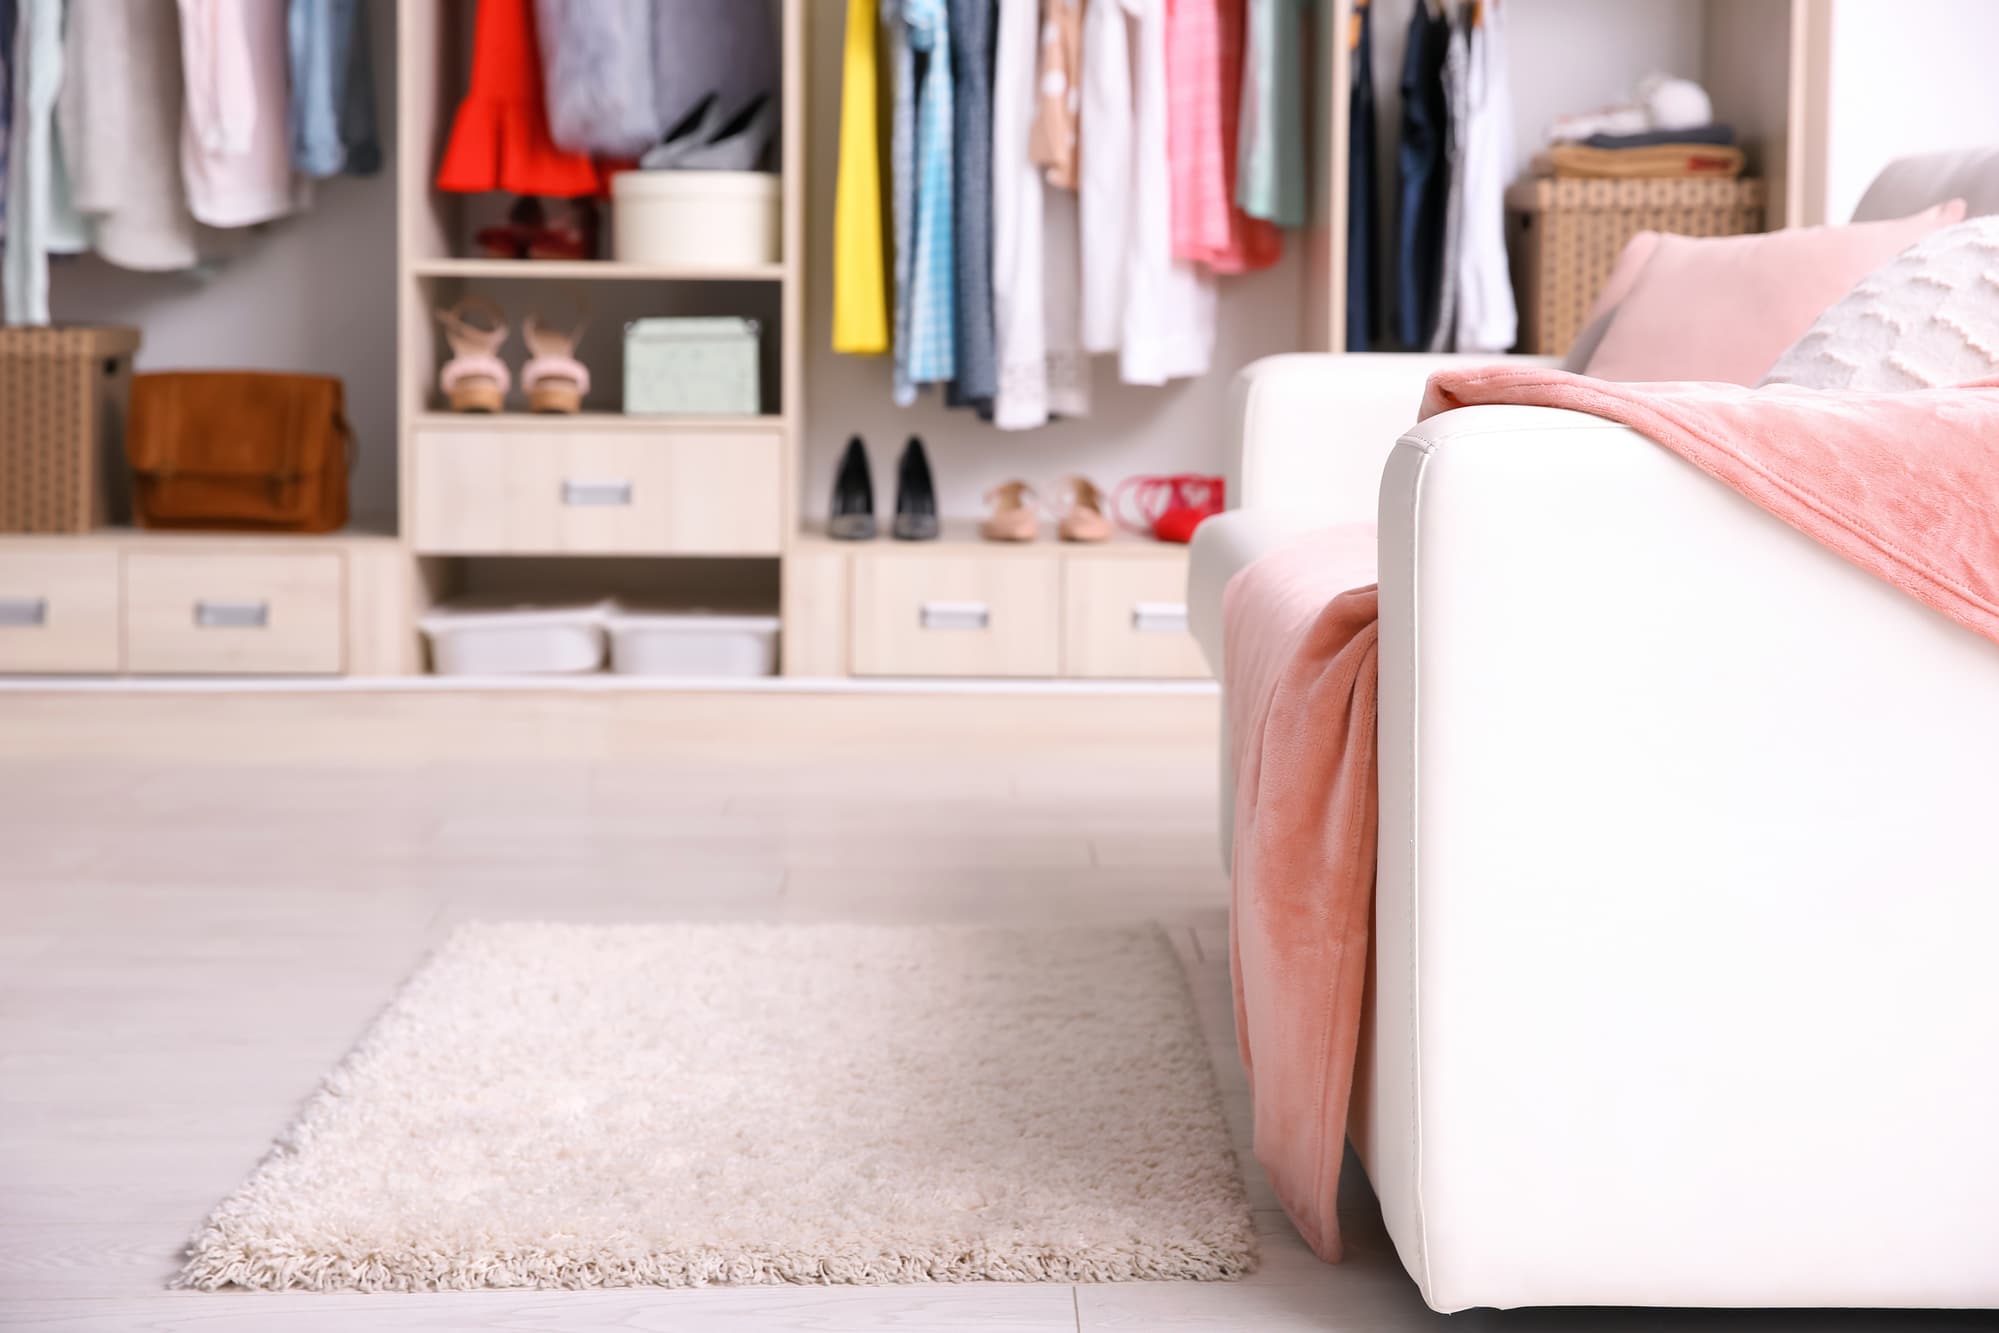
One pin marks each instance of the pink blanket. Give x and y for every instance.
(1904, 485)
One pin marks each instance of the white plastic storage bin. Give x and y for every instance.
(496, 639)
(695, 219)
(691, 643)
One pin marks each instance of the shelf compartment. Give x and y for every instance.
(610, 423)
(593, 270)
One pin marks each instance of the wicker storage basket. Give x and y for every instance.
(1566, 235)
(62, 425)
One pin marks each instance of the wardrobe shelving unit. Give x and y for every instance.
(712, 509)
(597, 501)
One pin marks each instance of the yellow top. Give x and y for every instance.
(860, 294)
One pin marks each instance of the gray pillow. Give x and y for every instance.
(1929, 317)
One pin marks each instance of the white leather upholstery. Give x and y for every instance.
(1312, 430)
(1683, 991)
(1311, 434)
(1912, 184)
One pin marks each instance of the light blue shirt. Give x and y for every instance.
(933, 277)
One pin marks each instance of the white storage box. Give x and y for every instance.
(691, 643)
(704, 366)
(498, 639)
(695, 219)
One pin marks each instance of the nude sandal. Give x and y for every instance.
(1013, 518)
(1084, 520)
(554, 379)
(474, 379)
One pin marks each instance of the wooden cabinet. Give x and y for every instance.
(58, 610)
(594, 491)
(956, 615)
(1126, 616)
(962, 607)
(214, 613)
(200, 603)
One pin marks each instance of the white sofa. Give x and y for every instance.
(1686, 979)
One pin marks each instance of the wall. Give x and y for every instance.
(1906, 76)
(1179, 428)
(314, 292)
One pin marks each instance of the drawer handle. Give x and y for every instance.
(954, 615)
(597, 493)
(24, 612)
(232, 615)
(1159, 617)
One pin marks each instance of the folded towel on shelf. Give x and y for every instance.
(1693, 134)
(1666, 160)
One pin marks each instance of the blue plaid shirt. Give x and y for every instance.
(932, 319)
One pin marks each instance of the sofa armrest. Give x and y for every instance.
(1312, 430)
(1684, 894)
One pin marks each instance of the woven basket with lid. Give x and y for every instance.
(62, 412)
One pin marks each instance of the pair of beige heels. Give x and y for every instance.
(1016, 519)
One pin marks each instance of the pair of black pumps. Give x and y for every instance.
(853, 515)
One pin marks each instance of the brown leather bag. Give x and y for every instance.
(238, 449)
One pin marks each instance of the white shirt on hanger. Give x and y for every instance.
(1103, 186)
(1487, 320)
(1169, 305)
(235, 146)
(1021, 402)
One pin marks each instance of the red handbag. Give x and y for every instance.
(1167, 508)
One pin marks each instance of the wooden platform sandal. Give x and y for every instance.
(474, 379)
(554, 379)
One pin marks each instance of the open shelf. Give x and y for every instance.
(961, 535)
(608, 422)
(594, 269)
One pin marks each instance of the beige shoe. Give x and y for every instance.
(474, 379)
(1084, 520)
(554, 379)
(1013, 518)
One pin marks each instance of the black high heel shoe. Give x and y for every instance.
(853, 514)
(915, 496)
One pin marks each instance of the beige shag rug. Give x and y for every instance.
(676, 1105)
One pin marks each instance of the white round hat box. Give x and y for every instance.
(695, 219)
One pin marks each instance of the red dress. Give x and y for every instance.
(500, 139)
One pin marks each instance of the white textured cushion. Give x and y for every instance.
(1928, 317)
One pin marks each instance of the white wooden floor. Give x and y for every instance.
(204, 899)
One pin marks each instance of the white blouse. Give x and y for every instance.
(235, 151)
(1169, 304)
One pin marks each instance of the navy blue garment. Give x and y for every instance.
(977, 360)
(1423, 179)
(1722, 135)
(1363, 219)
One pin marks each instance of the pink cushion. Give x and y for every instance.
(1724, 308)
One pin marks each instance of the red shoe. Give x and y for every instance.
(510, 240)
(1168, 508)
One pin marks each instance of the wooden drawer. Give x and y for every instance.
(597, 491)
(225, 613)
(917, 614)
(1126, 616)
(58, 610)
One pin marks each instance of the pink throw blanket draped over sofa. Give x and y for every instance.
(1904, 485)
